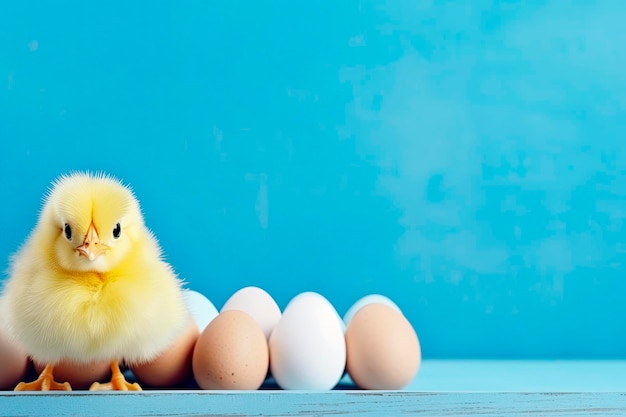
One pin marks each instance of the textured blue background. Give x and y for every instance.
(464, 158)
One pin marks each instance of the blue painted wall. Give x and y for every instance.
(465, 158)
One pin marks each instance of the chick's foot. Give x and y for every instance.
(117, 383)
(45, 382)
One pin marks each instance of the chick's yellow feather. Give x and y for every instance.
(114, 300)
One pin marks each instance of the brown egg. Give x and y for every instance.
(383, 351)
(173, 366)
(231, 353)
(79, 375)
(13, 362)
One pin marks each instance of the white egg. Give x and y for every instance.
(368, 299)
(201, 308)
(307, 346)
(258, 304)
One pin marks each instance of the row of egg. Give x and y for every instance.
(307, 346)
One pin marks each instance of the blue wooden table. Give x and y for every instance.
(477, 388)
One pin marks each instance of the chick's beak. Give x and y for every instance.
(91, 247)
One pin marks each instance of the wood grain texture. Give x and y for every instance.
(442, 388)
(333, 403)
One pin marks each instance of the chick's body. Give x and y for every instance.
(130, 312)
(90, 283)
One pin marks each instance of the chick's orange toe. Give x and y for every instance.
(45, 382)
(117, 383)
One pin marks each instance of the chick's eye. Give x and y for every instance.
(117, 231)
(68, 231)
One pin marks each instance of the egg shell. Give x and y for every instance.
(173, 366)
(258, 304)
(231, 353)
(307, 346)
(383, 351)
(200, 307)
(14, 362)
(368, 299)
(79, 375)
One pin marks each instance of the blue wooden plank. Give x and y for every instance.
(286, 403)
(479, 388)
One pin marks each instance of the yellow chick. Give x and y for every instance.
(90, 284)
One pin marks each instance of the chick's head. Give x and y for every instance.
(91, 221)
